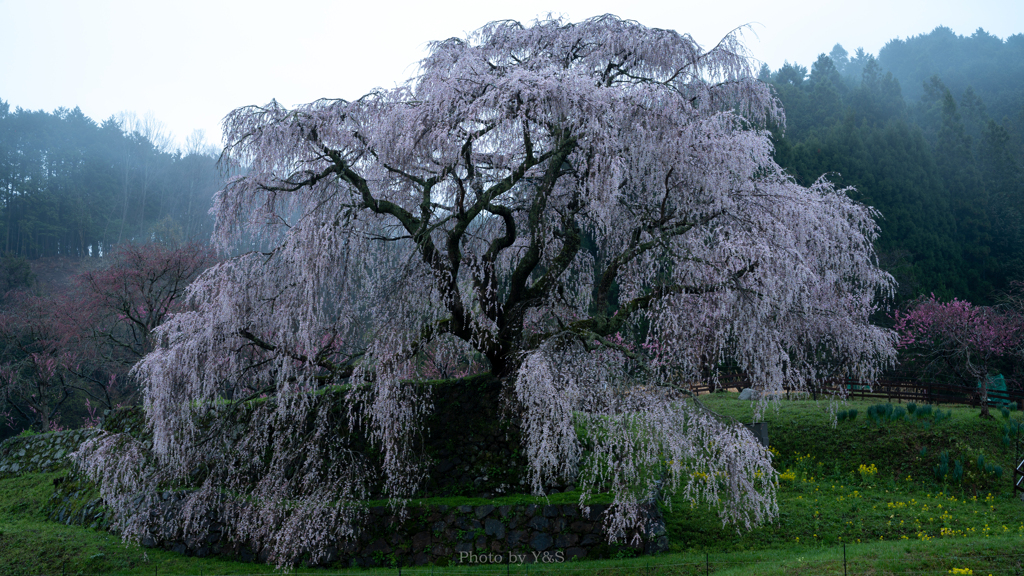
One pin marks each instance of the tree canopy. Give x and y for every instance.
(990, 65)
(60, 350)
(942, 165)
(590, 210)
(957, 340)
(71, 188)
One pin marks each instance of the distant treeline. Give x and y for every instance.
(931, 133)
(73, 188)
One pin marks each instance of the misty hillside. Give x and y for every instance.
(70, 187)
(991, 67)
(931, 133)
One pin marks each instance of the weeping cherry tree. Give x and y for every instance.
(591, 210)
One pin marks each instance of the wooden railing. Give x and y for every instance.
(931, 393)
(899, 388)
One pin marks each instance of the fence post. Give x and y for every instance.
(844, 558)
(1018, 471)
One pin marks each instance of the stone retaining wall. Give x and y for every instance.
(488, 534)
(479, 458)
(440, 535)
(40, 452)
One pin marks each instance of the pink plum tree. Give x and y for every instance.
(36, 379)
(63, 349)
(958, 339)
(591, 209)
(113, 311)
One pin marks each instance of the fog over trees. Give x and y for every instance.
(97, 222)
(70, 187)
(931, 133)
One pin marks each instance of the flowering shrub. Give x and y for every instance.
(867, 473)
(958, 337)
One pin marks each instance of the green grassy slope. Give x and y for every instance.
(895, 517)
(907, 446)
(29, 544)
(860, 481)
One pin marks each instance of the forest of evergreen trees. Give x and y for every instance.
(931, 133)
(73, 188)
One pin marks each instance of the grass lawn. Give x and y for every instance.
(880, 488)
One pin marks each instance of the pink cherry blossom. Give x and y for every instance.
(540, 201)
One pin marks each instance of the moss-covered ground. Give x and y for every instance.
(888, 488)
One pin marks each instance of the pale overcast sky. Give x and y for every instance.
(190, 62)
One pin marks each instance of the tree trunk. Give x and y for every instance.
(984, 398)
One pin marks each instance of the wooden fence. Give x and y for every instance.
(896, 387)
